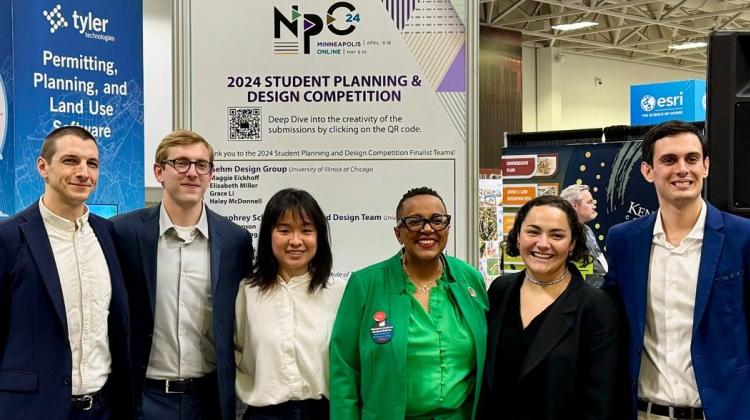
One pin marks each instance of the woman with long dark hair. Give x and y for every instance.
(285, 312)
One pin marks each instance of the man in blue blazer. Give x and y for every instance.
(63, 306)
(682, 278)
(183, 264)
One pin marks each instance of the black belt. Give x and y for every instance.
(180, 386)
(677, 412)
(86, 401)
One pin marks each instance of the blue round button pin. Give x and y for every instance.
(381, 332)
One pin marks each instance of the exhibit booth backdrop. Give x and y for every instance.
(71, 63)
(611, 170)
(354, 101)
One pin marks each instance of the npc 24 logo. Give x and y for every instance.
(312, 25)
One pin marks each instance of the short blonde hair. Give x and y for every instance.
(180, 138)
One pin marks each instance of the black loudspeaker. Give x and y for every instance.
(728, 121)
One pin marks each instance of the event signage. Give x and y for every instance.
(72, 63)
(610, 170)
(354, 101)
(7, 186)
(654, 103)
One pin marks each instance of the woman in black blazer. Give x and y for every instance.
(553, 340)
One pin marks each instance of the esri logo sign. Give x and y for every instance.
(313, 25)
(648, 103)
(663, 103)
(55, 18)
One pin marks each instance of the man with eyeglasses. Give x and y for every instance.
(182, 265)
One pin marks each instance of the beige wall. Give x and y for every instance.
(157, 80)
(585, 102)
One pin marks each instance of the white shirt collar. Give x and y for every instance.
(296, 280)
(62, 223)
(695, 233)
(165, 222)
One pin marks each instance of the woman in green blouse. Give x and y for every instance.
(409, 337)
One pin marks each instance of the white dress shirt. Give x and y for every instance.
(183, 342)
(87, 291)
(281, 340)
(666, 375)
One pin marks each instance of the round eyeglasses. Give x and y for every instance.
(202, 167)
(438, 222)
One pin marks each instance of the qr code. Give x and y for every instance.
(244, 123)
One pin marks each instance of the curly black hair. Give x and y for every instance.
(414, 192)
(580, 252)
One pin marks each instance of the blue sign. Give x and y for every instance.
(659, 102)
(7, 187)
(74, 63)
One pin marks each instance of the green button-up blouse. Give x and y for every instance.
(440, 357)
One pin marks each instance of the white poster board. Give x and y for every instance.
(354, 101)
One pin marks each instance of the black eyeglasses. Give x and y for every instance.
(438, 222)
(203, 167)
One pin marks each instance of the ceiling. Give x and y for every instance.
(629, 30)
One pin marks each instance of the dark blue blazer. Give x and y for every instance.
(231, 258)
(720, 349)
(35, 357)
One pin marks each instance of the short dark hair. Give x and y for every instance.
(50, 142)
(300, 203)
(580, 251)
(667, 129)
(414, 192)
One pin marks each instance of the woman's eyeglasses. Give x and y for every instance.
(416, 223)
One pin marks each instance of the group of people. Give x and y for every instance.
(168, 313)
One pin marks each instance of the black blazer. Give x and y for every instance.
(577, 348)
(137, 239)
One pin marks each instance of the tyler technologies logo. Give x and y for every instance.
(86, 24)
(55, 18)
(648, 103)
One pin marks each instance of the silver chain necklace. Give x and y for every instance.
(531, 278)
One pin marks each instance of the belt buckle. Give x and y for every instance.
(87, 398)
(168, 391)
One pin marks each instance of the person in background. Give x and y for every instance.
(183, 264)
(579, 196)
(64, 334)
(285, 312)
(550, 333)
(409, 336)
(682, 275)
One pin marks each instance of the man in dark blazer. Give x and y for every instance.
(681, 275)
(182, 264)
(63, 306)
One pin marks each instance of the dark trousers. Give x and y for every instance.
(101, 409)
(290, 410)
(199, 404)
